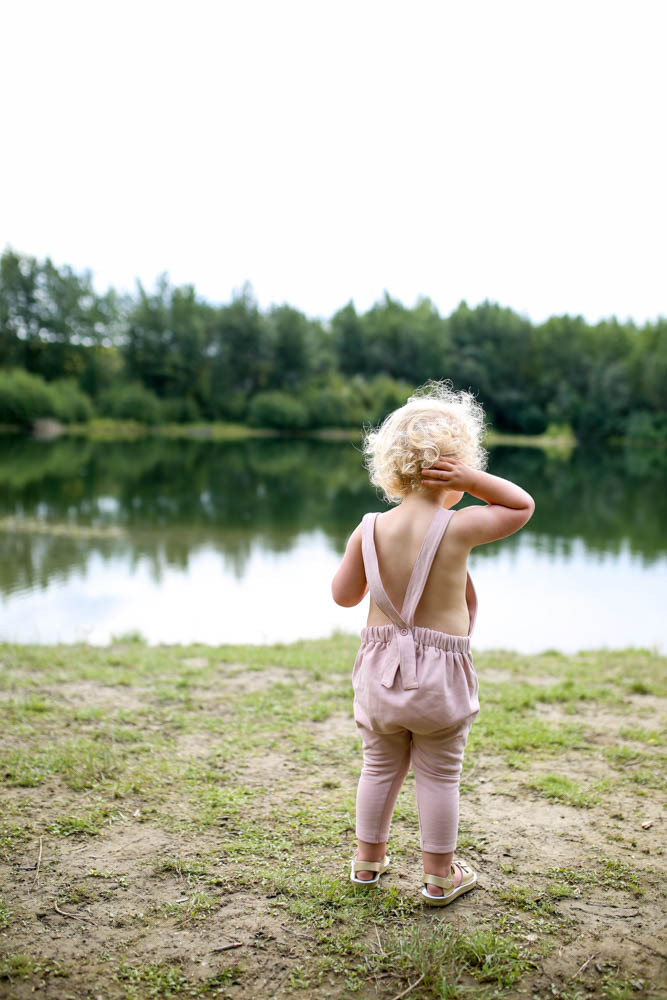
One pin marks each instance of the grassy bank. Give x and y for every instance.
(562, 439)
(176, 822)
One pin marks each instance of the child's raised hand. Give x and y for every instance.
(449, 472)
(507, 506)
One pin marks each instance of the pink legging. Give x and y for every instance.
(436, 760)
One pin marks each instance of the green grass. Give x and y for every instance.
(612, 874)
(246, 758)
(497, 955)
(649, 736)
(22, 966)
(22, 709)
(12, 835)
(88, 824)
(198, 906)
(185, 867)
(510, 730)
(80, 763)
(526, 899)
(163, 979)
(560, 788)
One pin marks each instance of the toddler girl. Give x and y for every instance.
(415, 687)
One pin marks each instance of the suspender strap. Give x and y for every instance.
(370, 558)
(403, 637)
(402, 641)
(423, 564)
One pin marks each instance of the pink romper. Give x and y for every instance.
(415, 699)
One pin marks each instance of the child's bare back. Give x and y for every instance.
(400, 532)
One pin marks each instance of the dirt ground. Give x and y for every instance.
(181, 865)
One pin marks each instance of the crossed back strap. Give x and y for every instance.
(420, 570)
(404, 622)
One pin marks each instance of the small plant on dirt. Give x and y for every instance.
(76, 894)
(560, 891)
(23, 966)
(649, 736)
(197, 906)
(66, 826)
(613, 874)
(160, 979)
(560, 788)
(5, 914)
(492, 957)
(643, 776)
(622, 756)
(439, 955)
(156, 979)
(525, 899)
(182, 866)
(641, 687)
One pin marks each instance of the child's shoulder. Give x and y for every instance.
(357, 534)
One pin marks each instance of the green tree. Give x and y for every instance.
(493, 352)
(404, 343)
(167, 340)
(240, 355)
(49, 316)
(293, 341)
(349, 341)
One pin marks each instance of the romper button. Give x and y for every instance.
(404, 631)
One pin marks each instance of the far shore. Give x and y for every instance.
(110, 429)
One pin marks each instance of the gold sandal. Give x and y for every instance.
(379, 867)
(450, 893)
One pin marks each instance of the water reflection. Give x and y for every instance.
(151, 510)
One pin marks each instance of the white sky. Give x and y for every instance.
(504, 149)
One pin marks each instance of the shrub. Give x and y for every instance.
(333, 406)
(180, 411)
(130, 402)
(71, 404)
(351, 402)
(278, 410)
(644, 426)
(24, 397)
(384, 394)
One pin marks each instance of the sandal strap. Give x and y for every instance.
(444, 883)
(368, 866)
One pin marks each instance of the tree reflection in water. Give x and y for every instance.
(172, 497)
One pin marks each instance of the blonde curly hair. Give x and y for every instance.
(436, 421)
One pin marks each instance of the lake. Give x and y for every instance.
(198, 541)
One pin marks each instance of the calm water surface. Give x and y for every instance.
(189, 541)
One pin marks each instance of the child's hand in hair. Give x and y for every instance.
(451, 473)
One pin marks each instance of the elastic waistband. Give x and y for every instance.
(422, 637)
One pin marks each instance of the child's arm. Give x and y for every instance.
(508, 506)
(349, 584)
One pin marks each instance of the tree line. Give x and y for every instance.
(167, 354)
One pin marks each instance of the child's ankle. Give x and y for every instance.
(367, 851)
